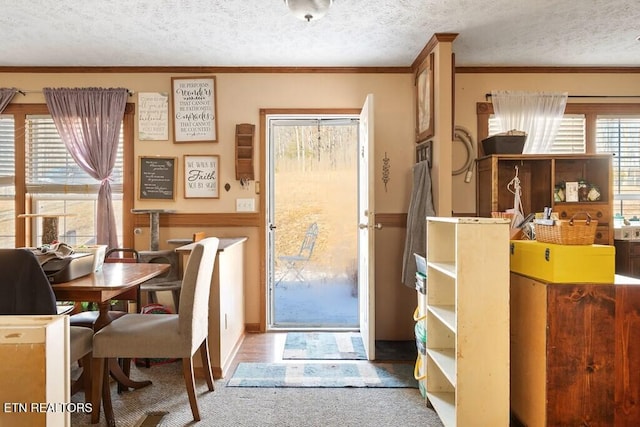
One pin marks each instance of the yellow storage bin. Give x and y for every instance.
(563, 263)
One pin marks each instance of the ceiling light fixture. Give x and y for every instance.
(308, 10)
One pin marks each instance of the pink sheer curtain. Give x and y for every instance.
(6, 95)
(89, 121)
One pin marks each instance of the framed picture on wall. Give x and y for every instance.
(153, 116)
(201, 176)
(157, 178)
(194, 109)
(424, 100)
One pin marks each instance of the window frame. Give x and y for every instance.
(22, 200)
(591, 111)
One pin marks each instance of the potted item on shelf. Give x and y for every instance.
(511, 142)
(583, 190)
(594, 194)
(559, 193)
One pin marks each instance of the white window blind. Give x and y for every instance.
(7, 183)
(51, 169)
(620, 136)
(570, 137)
(7, 154)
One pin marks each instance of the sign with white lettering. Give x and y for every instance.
(153, 116)
(157, 178)
(201, 173)
(194, 109)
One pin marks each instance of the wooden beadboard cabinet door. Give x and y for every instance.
(580, 355)
(627, 356)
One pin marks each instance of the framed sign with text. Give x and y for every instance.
(201, 176)
(153, 116)
(157, 178)
(194, 109)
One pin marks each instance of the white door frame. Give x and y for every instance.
(264, 229)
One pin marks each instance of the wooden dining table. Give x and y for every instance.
(114, 281)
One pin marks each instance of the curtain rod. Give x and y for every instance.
(488, 95)
(25, 92)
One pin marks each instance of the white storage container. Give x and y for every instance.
(98, 252)
(627, 232)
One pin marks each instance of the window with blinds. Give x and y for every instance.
(570, 137)
(7, 182)
(51, 169)
(56, 184)
(620, 136)
(7, 155)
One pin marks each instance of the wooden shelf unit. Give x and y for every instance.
(244, 151)
(468, 320)
(539, 174)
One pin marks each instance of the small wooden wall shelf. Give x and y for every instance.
(244, 151)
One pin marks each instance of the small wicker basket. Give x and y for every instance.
(568, 232)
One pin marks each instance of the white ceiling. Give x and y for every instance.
(355, 33)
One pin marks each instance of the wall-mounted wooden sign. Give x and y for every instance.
(194, 109)
(201, 176)
(153, 116)
(157, 178)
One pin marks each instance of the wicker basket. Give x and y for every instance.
(568, 232)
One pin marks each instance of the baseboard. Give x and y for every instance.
(227, 364)
(217, 371)
(252, 328)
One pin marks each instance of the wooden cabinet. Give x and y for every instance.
(35, 370)
(575, 353)
(628, 257)
(468, 320)
(539, 174)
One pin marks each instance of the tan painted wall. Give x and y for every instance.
(471, 88)
(240, 96)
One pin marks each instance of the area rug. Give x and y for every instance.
(323, 346)
(331, 375)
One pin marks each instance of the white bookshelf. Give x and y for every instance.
(468, 320)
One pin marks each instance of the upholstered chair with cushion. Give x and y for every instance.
(25, 290)
(162, 335)
(170, 282)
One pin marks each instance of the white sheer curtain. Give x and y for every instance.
(537, 113)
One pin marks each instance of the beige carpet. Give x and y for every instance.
(249, 407)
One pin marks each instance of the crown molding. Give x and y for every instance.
(216, 70)
(547, 70)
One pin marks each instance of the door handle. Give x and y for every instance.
(377, 226)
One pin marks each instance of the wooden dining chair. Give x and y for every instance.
(88, 317)
(25, 290)
(162, 335)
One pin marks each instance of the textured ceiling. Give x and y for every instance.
(355, 33)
